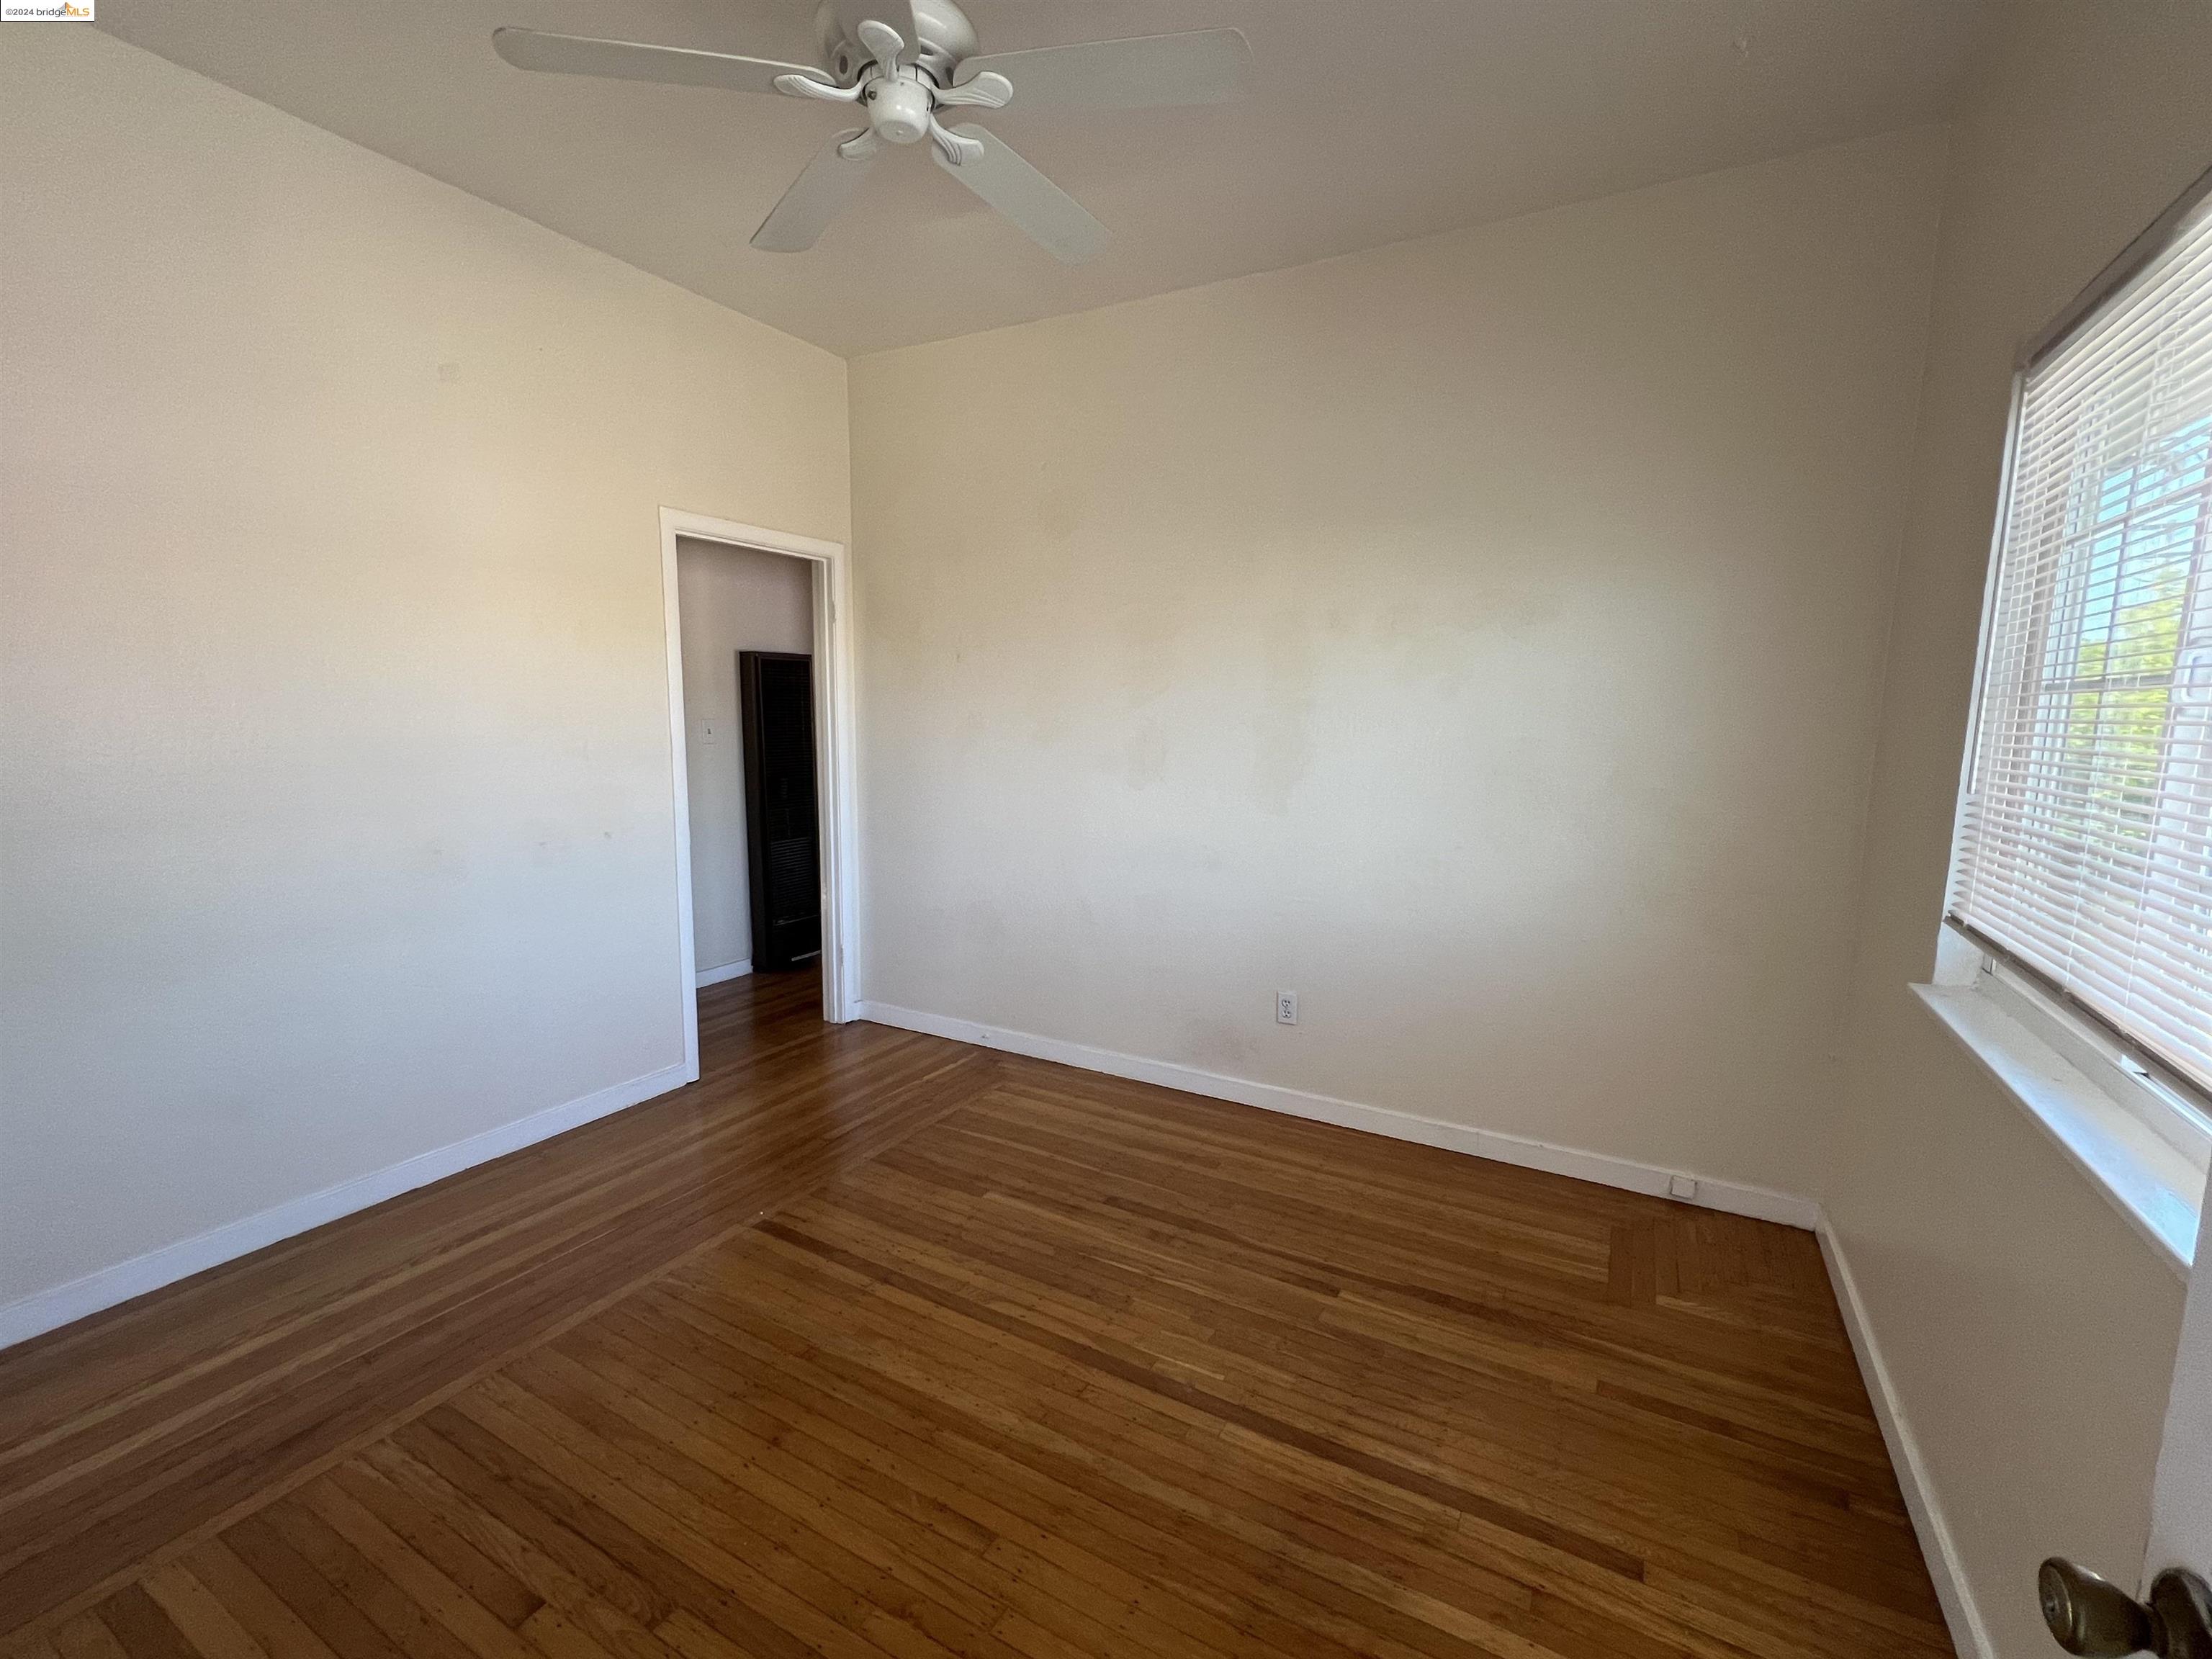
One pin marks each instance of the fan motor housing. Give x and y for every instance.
(947, 37)
(898, 110)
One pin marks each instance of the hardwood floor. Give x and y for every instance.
(873, 1345)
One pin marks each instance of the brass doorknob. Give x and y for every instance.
(2091, 1615)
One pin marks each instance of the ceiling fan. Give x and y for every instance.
(899, 63)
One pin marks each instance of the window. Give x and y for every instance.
(2084, 852)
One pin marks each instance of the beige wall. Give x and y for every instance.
(338, 822)
(734, 598)
(2027, 1327)
(1479, 635)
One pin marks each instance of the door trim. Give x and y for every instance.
(834, 750)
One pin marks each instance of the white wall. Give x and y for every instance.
(1481, 635)
(734, 598)
(2027, 1328)
(338, 818)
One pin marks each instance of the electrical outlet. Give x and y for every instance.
(1682, 1186)
(1286, 1007)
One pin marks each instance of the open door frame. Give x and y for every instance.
(2169, 1612)
(833, 748)
(2181, 1502)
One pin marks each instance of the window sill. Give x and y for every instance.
(2150, 1182)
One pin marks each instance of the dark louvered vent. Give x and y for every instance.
(776, 695)
(791, 879)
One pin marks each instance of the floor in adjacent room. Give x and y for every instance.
(873, 1344)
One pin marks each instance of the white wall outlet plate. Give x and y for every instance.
(1682, 1186)
(1286, 1007)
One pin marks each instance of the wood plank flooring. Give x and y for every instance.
(875, 1345)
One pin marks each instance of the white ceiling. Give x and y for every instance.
(1371, 121)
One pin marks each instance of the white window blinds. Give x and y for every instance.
(2085, 835)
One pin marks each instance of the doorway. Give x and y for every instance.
(734, 590)
(783, 844)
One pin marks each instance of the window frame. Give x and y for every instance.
(2116, 1063)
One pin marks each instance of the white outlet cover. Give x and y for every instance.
(1286, 1007)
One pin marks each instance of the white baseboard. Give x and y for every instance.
(48, 1310)
(1968, 1633)
(707, 976)
(1940, 1551)
(1734, 1197)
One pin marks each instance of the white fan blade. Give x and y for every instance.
(1046, 213)
(1151, 71)
(850, 15)
(634, 60)
(816, 196)
(883, 44)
